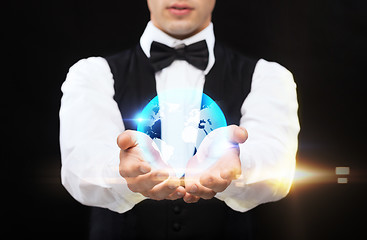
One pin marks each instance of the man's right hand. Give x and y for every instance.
(156, 184)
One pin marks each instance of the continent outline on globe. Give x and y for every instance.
(198, 124)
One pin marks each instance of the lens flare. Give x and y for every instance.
(319, 174)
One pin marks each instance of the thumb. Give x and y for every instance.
(237, 134)
(126, 140)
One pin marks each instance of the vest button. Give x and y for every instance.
(176, 226)
(176, 209)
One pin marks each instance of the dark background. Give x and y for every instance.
(323, 43)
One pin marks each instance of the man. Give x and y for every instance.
(102, 95)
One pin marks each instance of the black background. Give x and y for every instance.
(323, 43)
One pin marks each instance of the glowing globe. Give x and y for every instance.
(193, 125)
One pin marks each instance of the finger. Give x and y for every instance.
(217, 184)
(178, 193)
(144, 183)
(126, 140)
(237, 134)
(200, 191)
(191, 183)
(189, 198)
(163, 190)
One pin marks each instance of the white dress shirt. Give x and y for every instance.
(179, 75)
(90, 122)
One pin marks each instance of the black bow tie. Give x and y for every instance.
(162, 56)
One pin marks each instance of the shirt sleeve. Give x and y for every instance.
(268, 157)
(90, 122)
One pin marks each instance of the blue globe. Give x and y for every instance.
(206, 119)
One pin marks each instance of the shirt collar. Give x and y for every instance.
(152, 33)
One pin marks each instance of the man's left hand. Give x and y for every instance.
(219, 149)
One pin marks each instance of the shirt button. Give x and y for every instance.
(176, 226)
(176, 209)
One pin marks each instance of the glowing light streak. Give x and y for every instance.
(312, 174)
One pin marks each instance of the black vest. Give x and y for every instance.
(228, 83)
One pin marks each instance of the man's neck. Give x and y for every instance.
(184, 35)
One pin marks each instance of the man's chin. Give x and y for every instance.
(181, 29)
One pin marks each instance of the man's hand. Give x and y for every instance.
(137, 149)
(215, 164)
